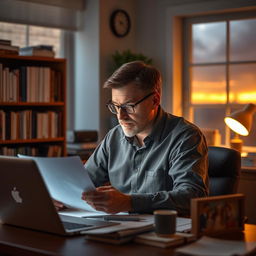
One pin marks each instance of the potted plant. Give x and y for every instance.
(120, 58)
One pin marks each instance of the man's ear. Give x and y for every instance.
(156, 99)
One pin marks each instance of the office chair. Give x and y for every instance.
(224, 170)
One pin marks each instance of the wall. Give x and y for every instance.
(94, 46)
(86, 81)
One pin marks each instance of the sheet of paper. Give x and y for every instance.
(183, 224)
(66, 179)
(124, 226)
(207, 246)
(82, 213)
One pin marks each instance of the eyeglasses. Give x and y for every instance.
(128, 108)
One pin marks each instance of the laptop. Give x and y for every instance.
(26, 202)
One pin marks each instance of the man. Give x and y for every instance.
(152, 159)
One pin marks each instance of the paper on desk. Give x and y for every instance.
(207, 246)
(183, 224)
(125, 227)
(66, 179)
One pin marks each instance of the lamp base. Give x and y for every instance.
(236, 144)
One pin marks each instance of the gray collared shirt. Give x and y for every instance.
(165, 173)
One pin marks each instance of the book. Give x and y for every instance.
(40, 46)
(37, 50)
(122, 233)
(82, 136)
(153, 239)
(8, 52)
(82, 146)
(5, 42)
(9, 47)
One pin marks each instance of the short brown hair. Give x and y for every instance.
(145, 76)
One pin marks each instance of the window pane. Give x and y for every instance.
(209, 42)
(14, 32)
(208, 85)
(243, 40)
(243, 83)
(47, 36)
(211, 118)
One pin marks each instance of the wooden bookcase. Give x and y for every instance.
(32, 105)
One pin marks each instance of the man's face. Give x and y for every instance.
(139, 122)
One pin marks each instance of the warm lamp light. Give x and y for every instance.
(240, 122)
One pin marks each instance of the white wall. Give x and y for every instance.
(94, 46)
(87, 73)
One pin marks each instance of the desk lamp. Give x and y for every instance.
(240, 122)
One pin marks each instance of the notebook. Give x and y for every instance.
(26, 202)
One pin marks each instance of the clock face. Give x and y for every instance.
(120, 23)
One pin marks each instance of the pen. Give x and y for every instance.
(116, 218)
(113, 218)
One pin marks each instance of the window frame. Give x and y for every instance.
(187, 106)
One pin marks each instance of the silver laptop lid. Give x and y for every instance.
(25, 200)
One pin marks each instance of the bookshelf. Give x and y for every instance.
(32, 105)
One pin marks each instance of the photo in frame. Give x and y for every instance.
(217, 214)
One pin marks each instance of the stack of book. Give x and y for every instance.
(249, 160)
(151, 238)
(82, 143)
(38, 50)
(122, 233)
(7, 48)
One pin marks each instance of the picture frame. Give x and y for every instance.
(217, 214)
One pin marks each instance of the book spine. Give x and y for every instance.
(23, 84)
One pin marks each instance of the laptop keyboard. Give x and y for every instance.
(71, 225)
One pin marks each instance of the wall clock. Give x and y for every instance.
(120, 23)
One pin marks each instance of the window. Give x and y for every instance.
(25, 35)
(220, 70)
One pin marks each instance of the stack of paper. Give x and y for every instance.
(122, 233)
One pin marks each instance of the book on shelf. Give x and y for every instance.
(151, 238)
(30, 84)
(30, 124)
(5, 42)
(43, 150)
(38, 50)
(32, 103)
(9, 49)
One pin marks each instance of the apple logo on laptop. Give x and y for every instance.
(16, 195)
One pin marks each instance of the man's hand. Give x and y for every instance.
(58, 205)
(108, 199)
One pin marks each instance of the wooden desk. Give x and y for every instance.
(18, 241)
(247, 184)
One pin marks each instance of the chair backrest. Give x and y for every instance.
(224, 170)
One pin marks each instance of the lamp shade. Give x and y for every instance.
(241, 120)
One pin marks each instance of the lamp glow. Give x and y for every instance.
(236, 126)
(240, 122)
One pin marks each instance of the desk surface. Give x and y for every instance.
(18, 241)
